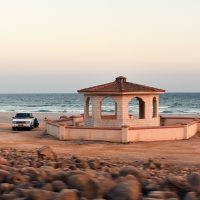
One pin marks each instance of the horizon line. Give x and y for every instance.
(73, 92)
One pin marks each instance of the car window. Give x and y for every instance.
(23, 115)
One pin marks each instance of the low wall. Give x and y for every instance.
(175, 120)
(53, 129)
(125, 133)
(192, 127)
(156, 134)
(95, 134)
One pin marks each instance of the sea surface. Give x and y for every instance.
(170, 103)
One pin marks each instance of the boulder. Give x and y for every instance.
(10, 196)
(130, 170)
(48, 186)
(162, 195)
(191, 196)
(3, 175)
(6, 187)
(47, 152)
(16, 178)
(58, 185)
(37, 194)
(127, 190)
(194, 181)
(94, 164)
(83, 182)
(3, 161)
(178, 182)
(105, 184)
(67, 194)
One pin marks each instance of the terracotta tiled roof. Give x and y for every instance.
(120, 85)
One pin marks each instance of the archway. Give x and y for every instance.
(108, 108)
(154, 106)
(89, 107)
(136, 108)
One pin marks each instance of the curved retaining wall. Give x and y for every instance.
(125, 133)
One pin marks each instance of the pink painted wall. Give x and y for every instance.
(92, 134)
(171, 121)
(155, 134)
(53, 130)
(124, 134)
(191, 129)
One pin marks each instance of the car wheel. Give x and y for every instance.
(14, 129)
(36, 123)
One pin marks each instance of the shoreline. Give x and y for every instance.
(6, 117)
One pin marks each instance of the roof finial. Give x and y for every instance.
(120, 79)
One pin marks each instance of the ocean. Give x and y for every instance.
(170, 103)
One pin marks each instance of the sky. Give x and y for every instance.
(65, 45)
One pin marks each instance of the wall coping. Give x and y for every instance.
(57, 124)
(179, 117)
(54, 124)
(155, 127)
(92, 128)
(193, 122)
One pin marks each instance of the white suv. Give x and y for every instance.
(24, 120)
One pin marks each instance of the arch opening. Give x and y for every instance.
(108, 108)
(154, 107)
(89, 107)
(136, 108)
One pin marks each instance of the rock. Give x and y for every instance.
(16, 178)
(10, 196)
(94, 164)
(178, 182)
(3, 161)
(152, 165)
(47, 152)
(58, 185)
(67, 194)
(38, 194)
(149, 185)
(194, 181)
(48, 187)
(3, 175)
(49, 173)
(82, 164)
(128, 190)
(99, 199)
(191, 196)
(82, 182)
(23, 185)
(162, 195)
(130, 170)
(105, 184)
(6, 187)
(72, 167)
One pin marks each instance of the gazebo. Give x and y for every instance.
(121, 93)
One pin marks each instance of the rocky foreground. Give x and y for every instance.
(42, 175)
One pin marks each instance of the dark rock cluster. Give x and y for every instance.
(43, 175)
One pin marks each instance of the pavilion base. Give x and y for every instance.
(171, 128)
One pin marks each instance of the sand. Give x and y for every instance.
(185, 152)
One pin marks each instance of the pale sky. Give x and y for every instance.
(65, 45)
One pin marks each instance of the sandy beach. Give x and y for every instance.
(94, 170)
(184, 151)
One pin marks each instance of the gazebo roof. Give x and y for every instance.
(119, 86)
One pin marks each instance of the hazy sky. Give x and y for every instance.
(65, 45)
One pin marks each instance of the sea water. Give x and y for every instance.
(170, 103)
